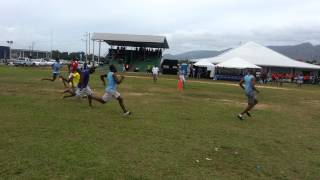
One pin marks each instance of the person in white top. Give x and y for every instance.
(155, 73)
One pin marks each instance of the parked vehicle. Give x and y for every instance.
(38, 62)
(50, 62)
(90, 64)
(63, 62)
(23, 62)
(169, 66)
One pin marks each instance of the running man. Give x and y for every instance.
(55, 71)
(111, 89)
(83, 88)
(72, 69)
(249, 80)
(73, 81)
(155, 73)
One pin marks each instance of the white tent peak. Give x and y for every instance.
(204, 63)
(237, 63)
(261, 56)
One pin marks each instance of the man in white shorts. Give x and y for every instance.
(111, 89)
(83, 88)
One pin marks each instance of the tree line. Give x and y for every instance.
(73, 55)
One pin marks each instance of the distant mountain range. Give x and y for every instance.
(304, 52)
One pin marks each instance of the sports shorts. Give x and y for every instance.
(109, 94)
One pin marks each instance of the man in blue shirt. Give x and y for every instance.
(111, 89)
(56, 66)
(249, 82)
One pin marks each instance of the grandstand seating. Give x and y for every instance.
(135, 58)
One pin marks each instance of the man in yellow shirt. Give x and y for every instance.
(73, 80)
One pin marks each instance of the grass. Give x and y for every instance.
(192, 134)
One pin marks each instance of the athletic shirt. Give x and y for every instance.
(84, 76)
(301, 78)
(56, 67)
(76, 79)
(155, 70)
(248, 83)
(74, 65)
(112, 85)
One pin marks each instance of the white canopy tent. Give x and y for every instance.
(237, 63)
(204, 63)
(262, 56)
(201, 59)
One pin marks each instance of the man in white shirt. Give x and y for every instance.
(155, 73)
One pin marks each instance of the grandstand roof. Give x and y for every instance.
(132, 40)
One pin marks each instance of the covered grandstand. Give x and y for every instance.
(137, 51)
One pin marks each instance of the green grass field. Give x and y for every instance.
(192, 134)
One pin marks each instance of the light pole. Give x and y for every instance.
(30, 51)
(86, 36)
(85, 40)
(10, 44)
(32, 45)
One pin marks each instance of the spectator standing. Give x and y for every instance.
(155, 73)
(300, 80)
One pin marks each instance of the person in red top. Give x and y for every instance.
(274, 77)
(74, 64)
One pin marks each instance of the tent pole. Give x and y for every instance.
(99, 51)
(93, 51)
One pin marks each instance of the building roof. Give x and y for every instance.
(132, 40)
(261, 56)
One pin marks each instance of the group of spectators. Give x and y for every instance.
(279, 78)
(196, 72)
(136, 53)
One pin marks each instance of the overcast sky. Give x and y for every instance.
(188, 24)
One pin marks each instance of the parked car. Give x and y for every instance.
(22, 62)
(90, 64)
(50, 62)
(39, 62)
(169, 66)
(63, 62)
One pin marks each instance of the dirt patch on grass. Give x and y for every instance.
(261, 106)
(162, 90)
(311, 102)
(138, 94)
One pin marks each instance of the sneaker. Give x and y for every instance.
(126, 113)
(248, 113)
(240, 116)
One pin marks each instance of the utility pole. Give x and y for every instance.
(30, 51)
(86, 46)
(84, 40)
(89, 43)
(51, 42)
(32, 47)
